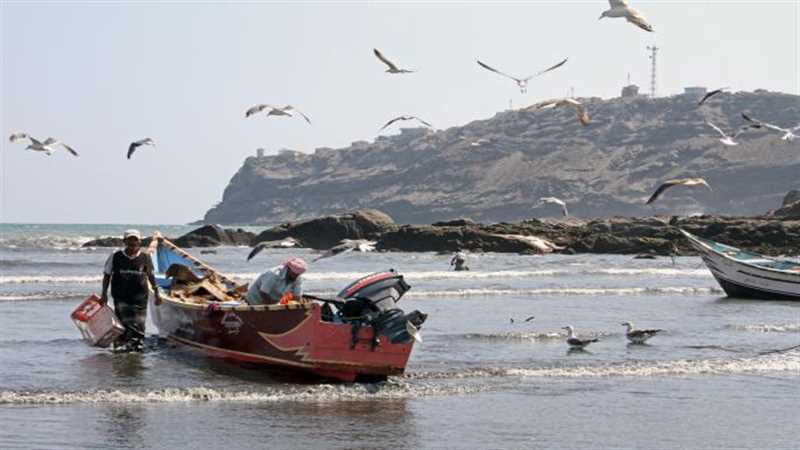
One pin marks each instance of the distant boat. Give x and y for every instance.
(745, 274)
(359, 335)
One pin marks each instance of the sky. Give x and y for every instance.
(98, 75)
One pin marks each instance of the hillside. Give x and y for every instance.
(497, 169)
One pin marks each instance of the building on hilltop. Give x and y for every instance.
(630, 90)
(695, 91)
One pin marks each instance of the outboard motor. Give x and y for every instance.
(372, 300)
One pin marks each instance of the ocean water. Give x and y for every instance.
(718, 377)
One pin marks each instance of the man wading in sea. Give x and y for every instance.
(128, 271)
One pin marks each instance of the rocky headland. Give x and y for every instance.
(497, 169)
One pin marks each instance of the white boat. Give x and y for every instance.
(745, 274)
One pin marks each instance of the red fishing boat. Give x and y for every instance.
(359, 335)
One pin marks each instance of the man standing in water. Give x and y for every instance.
(459, 260)
(281, 284)
(128, 271)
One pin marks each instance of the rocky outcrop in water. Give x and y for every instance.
(325, 232)
(497, 169)
(214, 236)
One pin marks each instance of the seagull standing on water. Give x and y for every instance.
(788, 133)
(276, 111)
(620, 8)
(575, 342)
(638, 336)
(555, 201)
(583, 115)
(678, 182)
(392, 67)
(399, 118)
(136, 144)
(522, 82)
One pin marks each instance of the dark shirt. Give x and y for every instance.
(129, 275)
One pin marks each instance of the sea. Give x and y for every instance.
(722, 375)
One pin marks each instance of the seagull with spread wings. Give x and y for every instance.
(711, 94)
(399, 118)
(348, 245)
(677, 182)
(555, 201)
(18, 137)
(276, 111)
(289, 242)
(49, 146)
(729, 140)
(136, 144)
(620, 8)
(522, 82)
(788, 133)
(583, 115)
(392, 67)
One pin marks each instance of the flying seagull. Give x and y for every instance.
(788, 133)
(679, 182)
(522, 82)
(136, 144)
(711, 94)
(392, 67)
(575, 342)
(285, 243)
(276, 111)
(555, 201)
(399, 118)
(49, 146)
(348, 245)
(583, 115)
(620, 8)
(729, 140)
(18, 137)
(638, 336)
(527, 319)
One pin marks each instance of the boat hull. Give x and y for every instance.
(741, 279)
(292, 336)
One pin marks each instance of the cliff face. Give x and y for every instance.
(497, 169)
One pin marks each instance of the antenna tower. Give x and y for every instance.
(653, 53)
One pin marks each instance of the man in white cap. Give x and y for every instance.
(281, 284)
(127, 272)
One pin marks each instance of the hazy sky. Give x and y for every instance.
(99, 75)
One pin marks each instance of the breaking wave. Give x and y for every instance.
(395, 389)
(479, 292)
(50, 279)
(786, 362)
(46, 242)
(40, 296)
(766, 328)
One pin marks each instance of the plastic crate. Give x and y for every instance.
(97, 322)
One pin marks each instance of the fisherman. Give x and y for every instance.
(459, 260)
(281, 284)
(128, 271)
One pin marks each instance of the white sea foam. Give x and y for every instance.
(767, 328)
(481, 292)
(39, 296)
(784, 362)
(49, 279)
(46, 241)
(395, 389)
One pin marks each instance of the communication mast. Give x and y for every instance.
(653, 53)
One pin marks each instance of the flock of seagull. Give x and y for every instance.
(618, 9)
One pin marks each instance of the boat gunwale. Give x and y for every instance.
(699, 240)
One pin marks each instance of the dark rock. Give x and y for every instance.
(455, 223)
(214, 236)
(791, 197)
(789, 211)
(105, 242)
(325, 232)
